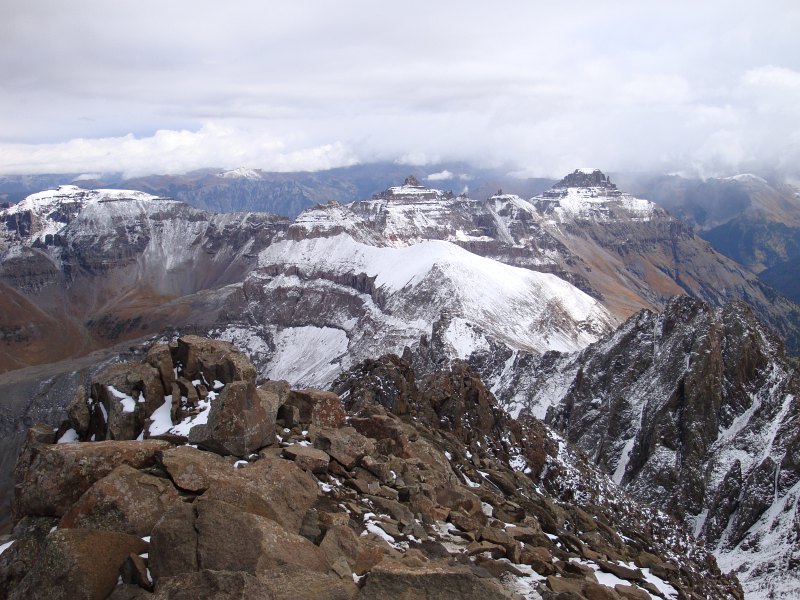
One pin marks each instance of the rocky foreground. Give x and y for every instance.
(181, 476)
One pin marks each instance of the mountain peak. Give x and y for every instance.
(412, 181)
(586, 178)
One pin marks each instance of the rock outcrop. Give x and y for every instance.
(694, 410)
(447, 498)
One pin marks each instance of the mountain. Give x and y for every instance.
(424, 489)
(695, 411)
(253, 190)
(83, 269)
(747, 218)
(530, 293)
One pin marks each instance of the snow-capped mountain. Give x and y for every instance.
(696, 411)
(240, 173)
(83, 269)
(686, 409)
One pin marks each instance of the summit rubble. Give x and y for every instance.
(392, 485)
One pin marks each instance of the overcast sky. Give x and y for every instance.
(701, 87)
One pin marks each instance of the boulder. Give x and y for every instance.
(130, 392)
(317, 407)
(237, 424)
(387, 431)
(307, 458)
(77, 564)
(18, 558)
(229, 539)
(345, 445)
(210, 360)
(59, 474)
(212, 585)
(270, 487)
(159, 357)
(125, 500)
(79, 414)
(173, 543)
(433, 581)
(194, 470)
(291, 581)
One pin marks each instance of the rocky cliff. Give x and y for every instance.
(694, 410)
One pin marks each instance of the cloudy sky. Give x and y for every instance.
(707, 88)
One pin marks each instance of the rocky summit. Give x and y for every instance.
(182, 475)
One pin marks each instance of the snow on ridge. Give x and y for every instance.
(240, 173)
(72, 194)
(747, 178)
(587, 170)
(516, 303)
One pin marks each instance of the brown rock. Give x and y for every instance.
(434, 581)
(160, 358)
(290, 581)
(345, 445)
(125, 500)
(388, 432)
(202, 358)
(467, 522)
(307, 458)
(59, 474)
(78, 563)
(620, 571)
(274, 488)
(29, 535)
(78, 413)
(565, 584)
(194, 470)
(208, 585)
(631, 592)
(595, 591)
(457, 498)
(229, 539)
(134, 571)
(173, 543)
(142, 386)
(237, 424)
(317, 407)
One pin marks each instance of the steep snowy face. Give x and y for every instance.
(696, 411)
(47, 213)
(385, 298)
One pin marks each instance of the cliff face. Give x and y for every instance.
(83, 269)
(395, 486)
(696, 411)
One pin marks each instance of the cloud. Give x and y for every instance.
(541, 88)
(440, 176)
(172, 152)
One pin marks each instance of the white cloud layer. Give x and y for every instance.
(145, 87)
